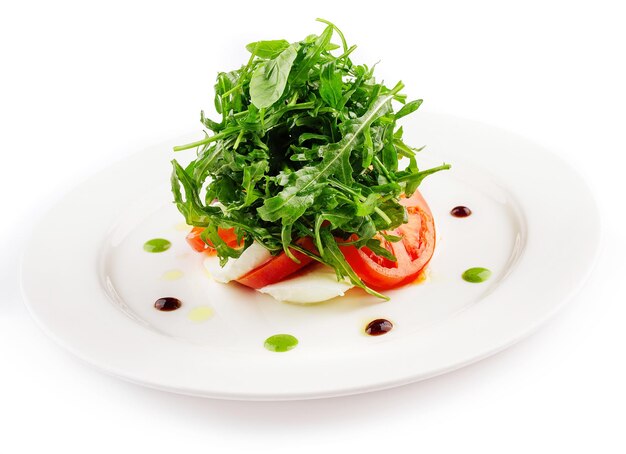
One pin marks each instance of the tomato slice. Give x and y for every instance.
(413, 252)
(197, 243)
(279, 267)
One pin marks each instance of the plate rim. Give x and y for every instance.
(393, 382)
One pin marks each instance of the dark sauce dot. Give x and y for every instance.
(378, 327)
(167, 304)
(460, 212)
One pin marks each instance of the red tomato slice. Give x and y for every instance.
(196, 242)
(413, 252)
(279, 267)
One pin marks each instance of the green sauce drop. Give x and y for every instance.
(280, 342)
(476, 275)
(156, 245)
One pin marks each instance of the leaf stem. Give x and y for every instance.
(239, 137)
(347, 52)
(361, 198)
(343, 38)
(383, 169)
(203, 141)
(231, 91)
(424, 173)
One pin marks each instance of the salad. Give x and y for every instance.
(297, 185)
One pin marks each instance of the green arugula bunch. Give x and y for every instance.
(306, 146)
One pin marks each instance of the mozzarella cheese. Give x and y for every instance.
(314, 284)
(253, 257)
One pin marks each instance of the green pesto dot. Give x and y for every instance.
(280, 342)
(476, 275)
(156, 245)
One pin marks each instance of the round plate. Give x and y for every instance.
(534, 224)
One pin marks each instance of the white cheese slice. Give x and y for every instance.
(315, 284)
(253, 257)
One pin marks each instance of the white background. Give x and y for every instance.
(84, 84)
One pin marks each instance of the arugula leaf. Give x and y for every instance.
(311, 55)
(270, 78)
(330, 84)
(333, 256)
(252, 174)
(413, 180)
(409, 108)
(292, 201)
(224, 252)
(376, 248)
(305, 144)
(267, 49)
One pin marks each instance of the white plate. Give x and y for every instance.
(90, 285)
